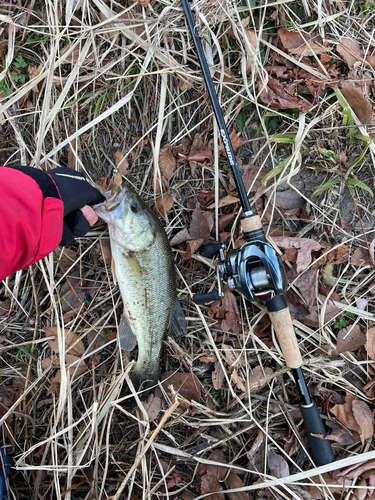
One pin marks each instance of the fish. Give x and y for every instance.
(143, 266)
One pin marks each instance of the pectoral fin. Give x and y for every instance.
(177, 325)
(125, 336)
(134, 264)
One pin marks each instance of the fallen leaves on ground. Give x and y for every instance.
(304, 246)
(152, 407)
(232, 482)
(201, 224)
(350, 51)
(277, 465)
(209, 475)
(360, 257)
(167, 161)
(277, 97)
(163, 205)
(349, 339)
(356, 415)
(370, 345)
(226, 309)
(259, 378)
(359, 103)
(223, 202)
(186, 384)
(288, 199)
(235, 140)
(300, 43)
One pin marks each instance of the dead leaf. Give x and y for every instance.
(314, 317)
(370, 345)
(345, 224)
(180, 237)
(259, 378)
(356, 416)
(304, 245)
(341, 434)
(359, 103)
(152, 407)
(238, 381)
(349, 339)
(196, 145)
(251, 177)
(103, 248)
(276, 97)
(121, 163)
(227, 200)
(218, 376)
(163, 205)
(306, 284)
(73, 345)
(204, 156)
(225, 220)
(360, 257)
(226, 308)
(65, 257)
(209, 476)
(191, 247)
(5, 307)
(354, 471)
(277, 465)
(167, 162)
(232, 482)
(288, 199)
(201, 224)
(186, 384)
(350, 51)
(317, 492)
(301, 44)
(33, 73)
(235, 140)
(185, 84)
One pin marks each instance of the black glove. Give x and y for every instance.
(74, 191)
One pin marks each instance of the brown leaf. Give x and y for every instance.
(304, 245)
(201, 224)
(180, 237)
(152, 407)
(227, 200)
(306, 284)
(288, 199)
(349, 339)
(226, 308)
(235, 140)
(225, 220)
(317, 492)
(360, 257)
(73, 346)
(121, 163)
(278, 465)
(350, 51)
(71, 156)
(341, 435)
(232, 482)
(301, 44)
(163, 205)
(238, 381)
(191, 247)
(218, 376)
(277, 98)
(196, 145)
(345, 224)
(354, 471)
(103, 247)
(167, 162)
(185, 84)
(370, 345)
(359, 103)
(314, 317)
(186, 384)
(364, 418)
(65, 257)
(204, 156)
(259, 378)
(209, 476)
(34, 72)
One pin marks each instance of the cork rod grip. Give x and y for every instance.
(282, 323)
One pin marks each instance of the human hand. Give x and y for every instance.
(76, 194)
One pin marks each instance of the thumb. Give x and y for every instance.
(89, 214)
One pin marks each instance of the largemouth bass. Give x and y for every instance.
(142, 264)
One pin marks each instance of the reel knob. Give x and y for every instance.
(203, 298)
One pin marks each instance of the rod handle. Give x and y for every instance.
(320, 449)
(284, 329)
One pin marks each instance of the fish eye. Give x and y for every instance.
(134, 207)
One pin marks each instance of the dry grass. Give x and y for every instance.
(108, 77)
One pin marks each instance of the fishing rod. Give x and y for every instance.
(256, 271)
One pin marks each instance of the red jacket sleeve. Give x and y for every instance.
(30, 226)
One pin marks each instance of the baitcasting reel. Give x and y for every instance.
(255, 270)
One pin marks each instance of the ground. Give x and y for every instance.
(106, 86)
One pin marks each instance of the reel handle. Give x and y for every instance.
(203, 298)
